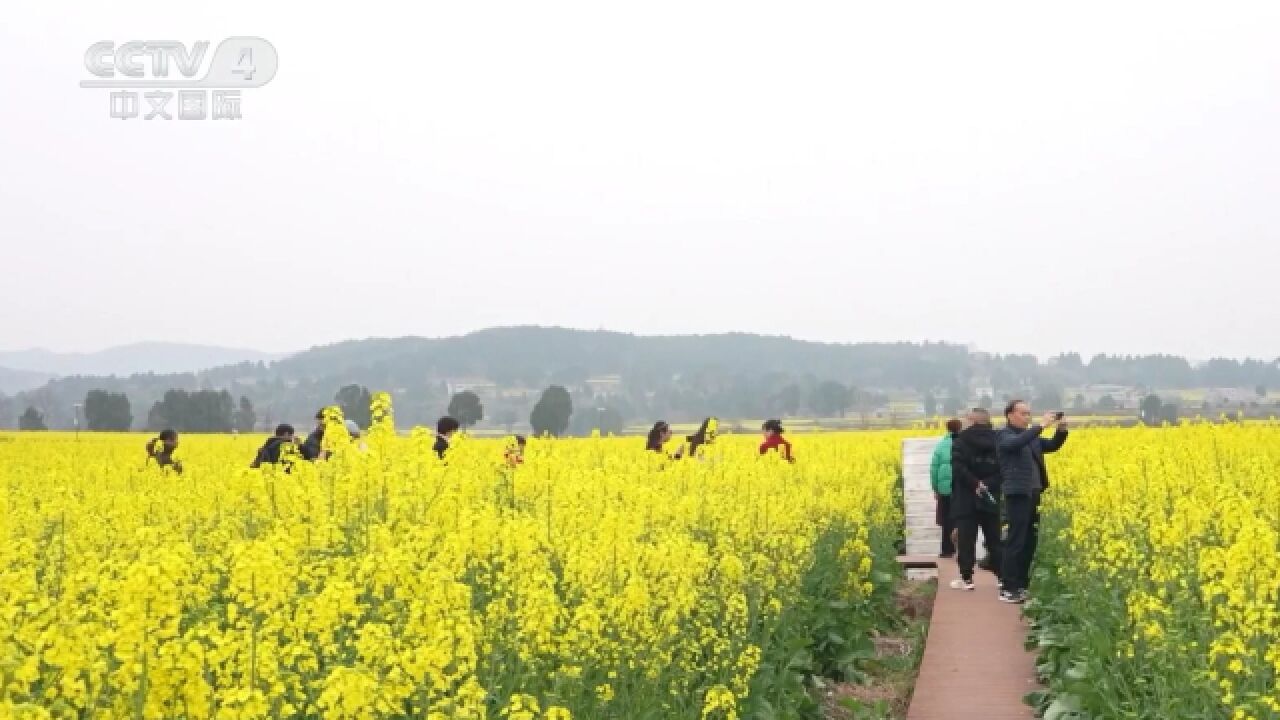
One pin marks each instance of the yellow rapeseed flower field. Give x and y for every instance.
(1158, 577)
(593, 581)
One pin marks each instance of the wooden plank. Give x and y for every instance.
(921, 534)
(974, 665)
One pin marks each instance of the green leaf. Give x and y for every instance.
(1063, 707)
(1037, 699)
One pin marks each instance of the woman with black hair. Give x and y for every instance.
(773, 440)
(705, 436)
(161, 448)
(659, 434)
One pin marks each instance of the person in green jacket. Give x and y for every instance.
(940, 478)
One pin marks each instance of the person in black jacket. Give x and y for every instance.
(1024, 477)
(313, 447)
(270, 451)
(975, 485)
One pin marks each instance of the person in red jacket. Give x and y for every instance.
(773, 440)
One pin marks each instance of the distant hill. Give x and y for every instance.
(146, 357)
(15, 381)
(635, 377)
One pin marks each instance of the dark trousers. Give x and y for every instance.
(968, 526)
(1020, 547)
(944, 520)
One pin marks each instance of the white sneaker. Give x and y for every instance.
(961, 584)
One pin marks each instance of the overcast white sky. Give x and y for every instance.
(1098, 177)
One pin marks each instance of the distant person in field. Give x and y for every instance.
(160, 450)
(975, 492)
(940, 479)
(1023, 477)
(659, 436)
(273, 448)
(313, 447)
(705, 435)
(445, 428)
(773, 440)
(514, 454)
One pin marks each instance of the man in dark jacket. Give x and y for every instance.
(975, 485)
(1024, 476)
(271, 450)
(313, 447)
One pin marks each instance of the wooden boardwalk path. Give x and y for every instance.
(974, 664)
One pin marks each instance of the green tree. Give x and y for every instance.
(201, 411)
(354, 401)
(1150, 409)
(245, 418)
(1169, 413)
(552, 412)
(1079, 403)
(31, 420)
(467, 408)
(830, 398)
(107, 411)
(1106, 403)
(786, 401)
(930, 405)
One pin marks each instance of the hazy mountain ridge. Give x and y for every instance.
(134, 358)
(672, 377)
(16, 381)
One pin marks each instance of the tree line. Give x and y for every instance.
(214, 411)
(675, 378)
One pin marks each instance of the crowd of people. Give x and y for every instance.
(982, 476)
(660, 435)
(283, 445)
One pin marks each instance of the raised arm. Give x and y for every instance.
(1009, 442)
(1054, 443)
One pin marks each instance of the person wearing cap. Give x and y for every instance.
(313, 447)
(773, 440)
(353, 429)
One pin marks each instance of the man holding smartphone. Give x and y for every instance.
(1021, 451)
